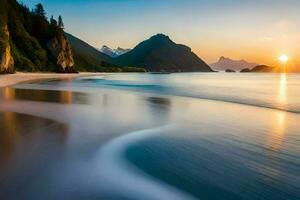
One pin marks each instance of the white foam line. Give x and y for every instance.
(126, 177)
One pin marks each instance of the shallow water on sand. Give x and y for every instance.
(143, 136)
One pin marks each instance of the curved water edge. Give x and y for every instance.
(258, 143)
(132, 181)
(157, 90)
(274, 91)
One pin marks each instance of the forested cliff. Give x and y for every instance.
(31, 42)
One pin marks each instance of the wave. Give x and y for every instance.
(124, 176)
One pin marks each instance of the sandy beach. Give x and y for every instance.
(19, 77)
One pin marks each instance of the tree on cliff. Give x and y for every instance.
(53, 21)
(39, 10)
(60, 22)
(3, 22)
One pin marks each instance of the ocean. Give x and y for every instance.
(152, 136)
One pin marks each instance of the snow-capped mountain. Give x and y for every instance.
(113, 52)
(227, 63)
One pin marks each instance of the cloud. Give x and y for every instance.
(266, 39)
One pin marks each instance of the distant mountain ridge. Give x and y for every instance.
(88, 58)
(113, 52)
(161, 54)
(227, 63)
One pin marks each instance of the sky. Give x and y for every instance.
(255, 30)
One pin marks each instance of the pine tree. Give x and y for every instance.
(39, 10)
(60, 22)
(53, 21)
(4, 39)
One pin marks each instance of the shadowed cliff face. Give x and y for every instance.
(7, 61)
(61, 49)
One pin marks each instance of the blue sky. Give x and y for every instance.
(234, 28)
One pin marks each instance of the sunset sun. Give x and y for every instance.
(283, 58)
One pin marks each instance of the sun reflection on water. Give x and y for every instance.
(282, 91)
(274, 146)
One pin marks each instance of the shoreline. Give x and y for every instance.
(20, 77)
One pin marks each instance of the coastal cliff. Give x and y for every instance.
(31, 42)
(60, 48)
(7, 61)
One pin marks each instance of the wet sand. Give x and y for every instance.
(72, 142)
(12, 79)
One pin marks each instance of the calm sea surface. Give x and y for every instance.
(152, 136)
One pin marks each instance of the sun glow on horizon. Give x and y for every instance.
(283, 58)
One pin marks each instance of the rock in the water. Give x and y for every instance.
(229, 70)
(245, 70)
(263, 68)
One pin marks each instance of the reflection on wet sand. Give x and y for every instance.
(160, 108)
(23, 136)
(64, 97)
(8, 129)
(7, 136)
(209, 138)
(7, 93)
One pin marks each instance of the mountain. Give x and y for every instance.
(227, 63)
(113, 52)
(160, 53)
(29, 42)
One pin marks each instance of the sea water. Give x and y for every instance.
(152, 136)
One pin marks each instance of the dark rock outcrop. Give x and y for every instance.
(6, 59)
(245, 70)
(61, 49)
(229, 70)
(261, 68)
